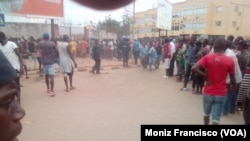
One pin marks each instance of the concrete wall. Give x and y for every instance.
(18, 30)
(75, 32)
(99, 34)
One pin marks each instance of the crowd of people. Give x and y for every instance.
(180, 53)
(222, 64)
(219, 69)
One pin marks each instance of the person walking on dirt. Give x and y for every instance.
(66, 59)
(48, 50)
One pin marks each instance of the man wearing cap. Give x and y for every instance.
(10, 110)
(48, 49)
(11, 52)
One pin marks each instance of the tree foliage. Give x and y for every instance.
(121, 28)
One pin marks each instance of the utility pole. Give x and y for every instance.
(133, 21)
(52, 29)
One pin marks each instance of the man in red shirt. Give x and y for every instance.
(167, 57)
(217, 66)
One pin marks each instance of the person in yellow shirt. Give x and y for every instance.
(73, 47)
(84, 45)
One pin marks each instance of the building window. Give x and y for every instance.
(182, 26)
(176, 14)
(234, 24)
(219, 8)
(187, 25)
(199, 25)
(236, 8)
(187, 11)
(175, 26)
(154, 16)
(200, 11)
(217, 23)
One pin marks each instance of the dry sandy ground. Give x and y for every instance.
(108, 107)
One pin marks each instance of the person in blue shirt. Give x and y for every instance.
(143, 54)
(152, 56)
(136, 50)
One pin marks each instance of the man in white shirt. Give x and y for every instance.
(111, 49)
(11, 52)
(173, 54)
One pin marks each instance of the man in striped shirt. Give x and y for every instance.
(243, 100)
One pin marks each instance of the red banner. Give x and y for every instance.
(50, 8)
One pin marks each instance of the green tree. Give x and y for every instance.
(125, 23)
(121, 28)
(109, 25)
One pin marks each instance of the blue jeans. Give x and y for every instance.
(49, 69)
(229, 102)
(187, 75)
(151, 62)
(214, 105)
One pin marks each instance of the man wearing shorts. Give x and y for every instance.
(217, 66)
(48, 49)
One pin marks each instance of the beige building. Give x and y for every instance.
(144, 24)
(200, 17)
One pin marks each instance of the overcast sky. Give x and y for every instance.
(78, 13)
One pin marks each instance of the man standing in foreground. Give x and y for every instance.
(11, 52)
(48, 49)
(217, 66)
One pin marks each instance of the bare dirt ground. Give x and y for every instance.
(107, 107)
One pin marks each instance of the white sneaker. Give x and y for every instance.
(185, 89)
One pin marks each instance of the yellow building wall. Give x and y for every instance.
(233, 22)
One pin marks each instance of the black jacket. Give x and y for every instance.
(96, 52)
